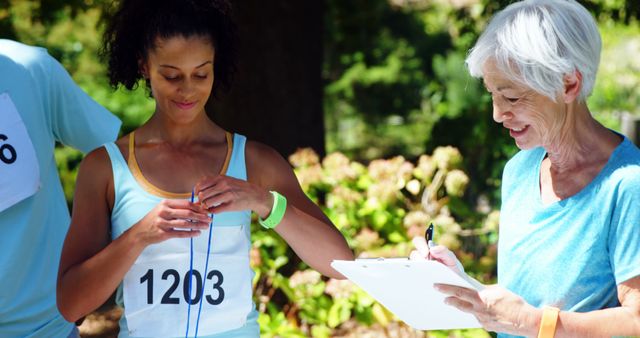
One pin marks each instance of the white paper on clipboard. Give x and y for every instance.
(405, 287)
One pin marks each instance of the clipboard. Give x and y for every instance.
(405, 287)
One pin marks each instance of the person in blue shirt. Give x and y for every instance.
(39, 106)
(162, 216)
(569, 246)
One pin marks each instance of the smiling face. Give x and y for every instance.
(180, 71)
(530, 117)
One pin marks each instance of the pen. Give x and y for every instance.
(428, 235)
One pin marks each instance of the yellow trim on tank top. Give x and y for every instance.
(150, 187)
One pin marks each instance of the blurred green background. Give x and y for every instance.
(406, 139)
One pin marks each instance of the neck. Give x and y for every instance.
(162, 130)
(578, 140)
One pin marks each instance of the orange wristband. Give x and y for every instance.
(548, 322)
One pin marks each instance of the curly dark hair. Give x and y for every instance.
(132, 31)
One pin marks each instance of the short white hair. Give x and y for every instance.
(538, 42)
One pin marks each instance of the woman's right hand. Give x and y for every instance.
(171, 219)
(438, 253)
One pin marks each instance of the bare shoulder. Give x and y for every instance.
(95, 177)
(259, 151)
(96, 162)
(265, 166)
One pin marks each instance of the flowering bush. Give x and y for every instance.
(378, 207)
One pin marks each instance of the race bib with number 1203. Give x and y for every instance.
(156, 294)
(19, 170)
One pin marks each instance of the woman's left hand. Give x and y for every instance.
(223, 193)
(495, 307)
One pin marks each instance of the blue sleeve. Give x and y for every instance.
(624, 234)
(76, 119)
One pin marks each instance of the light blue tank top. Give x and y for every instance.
(135, 197)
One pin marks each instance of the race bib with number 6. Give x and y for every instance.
(19, 170)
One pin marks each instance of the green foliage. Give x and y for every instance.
(68, 159)
(378, 208)
(376, 63)
(463, 105)
(617, 86)
(274, 324)
(396, 81)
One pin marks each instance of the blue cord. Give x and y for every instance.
(189, 284)
(204, 278)
(190, 276)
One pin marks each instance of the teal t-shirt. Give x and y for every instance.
(52, 109)
(573, 253)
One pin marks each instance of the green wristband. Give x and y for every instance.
(277, 211)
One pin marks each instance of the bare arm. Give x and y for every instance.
(91, 266)
(619, 321)
(305, 227)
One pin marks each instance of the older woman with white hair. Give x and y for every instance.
(569, 248)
